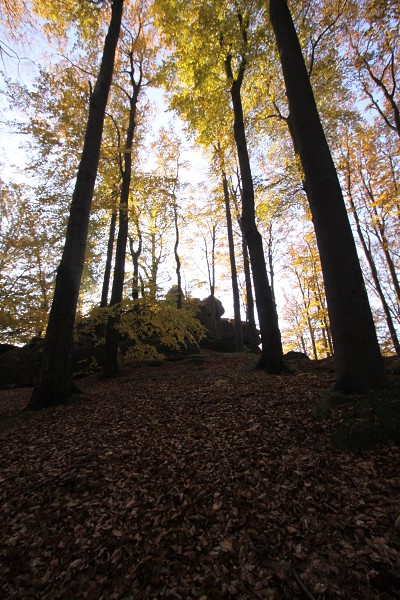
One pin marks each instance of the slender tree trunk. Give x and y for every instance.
(271, 262)
(380, 292)
(107, 270)
(379, 229)
(358, 361)
(312, 336)
(306, 306)
(235, 287)
(211, 280)
(251, 327)
(322, 317)
(110, 368)
(271, 359)
(155, 263)
(384, 242)
(323, 331)
(372, 266)
(251, 320)
(54, 384)
(179, 297)
(135, 254)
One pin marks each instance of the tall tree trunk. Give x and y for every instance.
(110, 368)
(325, 326)
(251, 320)
(358, 361)
(135, 254)
(251, 328)
(379, 228)
(54, 384)
(372, 265)
(323, 331)
(272, 355)
(179, 296)
(271, 261)
(211, 281)
(306, 305)
(107, 270)
(235, 287)
(154, 266)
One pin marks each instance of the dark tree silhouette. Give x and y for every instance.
(359, 363)
(54, 383)
(271, 359)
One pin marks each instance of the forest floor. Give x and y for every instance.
(198, 479)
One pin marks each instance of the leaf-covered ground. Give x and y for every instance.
(195, 481)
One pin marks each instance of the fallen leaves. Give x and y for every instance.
(194, 482)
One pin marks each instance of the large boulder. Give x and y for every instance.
(295, 355)
(205, 307)
(172, 294)
(20, 365)
(6, 348)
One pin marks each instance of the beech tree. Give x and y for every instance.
(370, 186)
(167, 151)
(136, 49)
(54, 384)
(28, 259)
(225, 33)
(305, 277)
(358, 362)
(231, 244)
(222, 76)
(373, 41)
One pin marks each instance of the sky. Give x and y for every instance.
(21, 64)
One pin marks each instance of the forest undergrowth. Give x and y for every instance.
(197, 479)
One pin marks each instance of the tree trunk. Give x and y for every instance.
(379, 228)
(271, 262)
(251, 328)
(107, 270)
(211, 282)
(358, 361)
(271, 358)
(251, 321)
(54, 384)
(235, 287)
(135, 254)
(179, 296)
(110, 368)
(372, 266)
(306, 305)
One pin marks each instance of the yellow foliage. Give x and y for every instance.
(148, 324)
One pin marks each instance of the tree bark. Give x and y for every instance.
(179, 296)
(135, 254)
(111, 368)
(271, 359)
(251, 328)
(358, 361)
(239, 346)
(372, 266)
(54, 384)
(107, 269)
(211, 281)
(251, 321)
